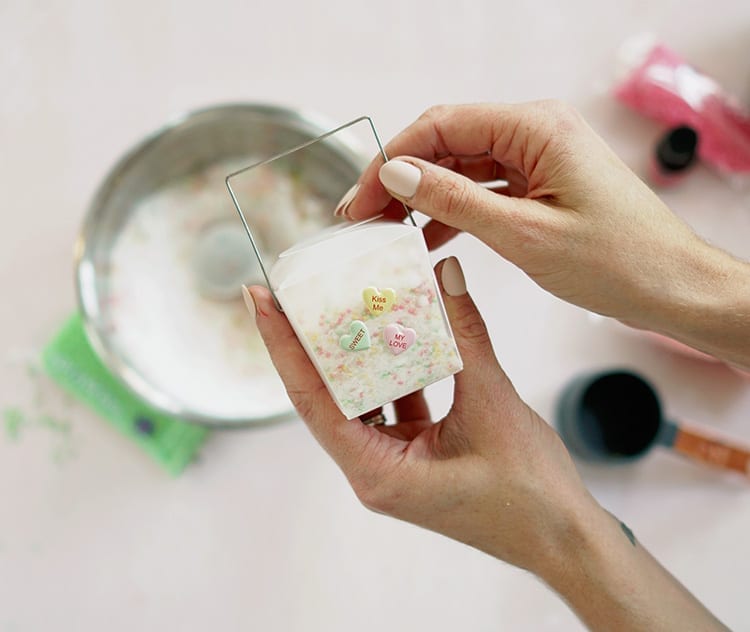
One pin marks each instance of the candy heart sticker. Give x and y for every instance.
(357, 339)
(379, 302)
(399, 338)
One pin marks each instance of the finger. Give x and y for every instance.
(458, 130)
(456, 201)
(436, 233)
(407, 431)
(481, 168)
(412, 417)
(342, 439)
(412, 407)
(488, 172)
(518, 186)
(371, 197)
(482, 378)
(462, 130)
(394, 210)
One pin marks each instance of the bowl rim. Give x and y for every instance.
(303, 120)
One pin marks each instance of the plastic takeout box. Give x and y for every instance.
(363, 301)
(361, 297)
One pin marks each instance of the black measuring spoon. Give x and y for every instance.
(616, 416)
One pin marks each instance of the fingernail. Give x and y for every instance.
(400, 178)
(452, 277)
(346, 201)
(249, 301)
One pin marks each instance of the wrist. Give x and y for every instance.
(612, 582)
(703, 300)
(575, 547)
(598, 574)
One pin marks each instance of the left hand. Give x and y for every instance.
(491, 473)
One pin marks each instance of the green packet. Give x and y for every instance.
(72, 363)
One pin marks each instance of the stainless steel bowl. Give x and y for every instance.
(189, 144)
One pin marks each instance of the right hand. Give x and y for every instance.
(490, 473)
(574, 217)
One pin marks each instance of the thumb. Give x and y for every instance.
(447, 196)
(482, 379)
(340, 438)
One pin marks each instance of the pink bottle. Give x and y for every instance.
(663, 87)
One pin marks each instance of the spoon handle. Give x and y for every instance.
(694, 444)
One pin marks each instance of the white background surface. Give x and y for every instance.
(264, 533)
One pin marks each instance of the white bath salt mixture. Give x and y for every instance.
(365, 305)
(204, 354)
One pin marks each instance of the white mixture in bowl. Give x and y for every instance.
(203, 353)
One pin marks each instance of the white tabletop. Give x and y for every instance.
(264, 533)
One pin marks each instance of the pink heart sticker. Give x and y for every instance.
(399, 338)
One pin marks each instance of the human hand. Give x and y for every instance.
(573, 217)
(491, 473)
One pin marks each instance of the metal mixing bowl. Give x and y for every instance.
(189, 144)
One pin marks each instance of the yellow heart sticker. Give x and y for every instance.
(379, 302)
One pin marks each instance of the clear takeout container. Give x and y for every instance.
(363, 301)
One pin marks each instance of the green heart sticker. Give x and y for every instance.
(357, 339)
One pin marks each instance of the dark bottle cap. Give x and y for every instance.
(677, 148)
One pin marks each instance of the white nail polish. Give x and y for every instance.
(452, 277)
(400, 178)
(346, 201)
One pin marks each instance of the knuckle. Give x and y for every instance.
(435, 112)
(469, 323)
(368, 499)
(306, 401)
(302, 402)
(542, 232)
(374, 495)
(453, 194)
(565, 117)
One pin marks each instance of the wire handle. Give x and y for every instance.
(236, 202)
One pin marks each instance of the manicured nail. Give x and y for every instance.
(343, 205)
(249, 301)
(400, 178)
(452, 277)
